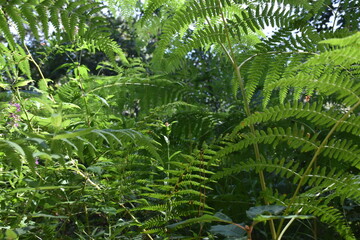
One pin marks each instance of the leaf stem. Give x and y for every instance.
(231, 56)
(135, 219)
(34, 62)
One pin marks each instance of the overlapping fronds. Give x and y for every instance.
(178, 191)
(296, 138)
(73, 144)
(327, 73)
(204, 23)
(140, 93)
(327, 214)
(71, 22)
(194, 126)
(323, 187)
(315, 113)
(288, 169)
(326, 182)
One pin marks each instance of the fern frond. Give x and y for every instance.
(181, 194)
(203, 37)
(344, 57)
(191, 183)
(146, 92)
(326, 214)
(54, 11)
(313, 112)
(276, 69)
(150, 9)
(69, 92)
(15, 15)
(193, 126)
(288, 169)
(254, 73)
(73, 21)
(326, 81)
(182, 18)
(325, 73)
(261, 16)
(42, 12)
(27, 11)
(343, 150)
(6, 31)
(295, 139)
(330, 184)
(284, 39)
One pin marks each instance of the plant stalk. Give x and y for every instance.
(231, 56)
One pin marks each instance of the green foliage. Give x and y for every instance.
(300, 71)
(229, 133)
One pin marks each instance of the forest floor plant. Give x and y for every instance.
(142, 154)
(310, 78)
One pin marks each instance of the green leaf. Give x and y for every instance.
(4, 85)
(73, 134)
(109, 210)
(23, 83)
(10, 235)
(223, 216)
(202, 219)
(34, 215)
(43, 188)
(174, 155)
(263, 218)
(56, 120)
(229, 230)
(14, 146)
(253, 212)
(347, 41)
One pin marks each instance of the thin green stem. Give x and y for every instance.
(232, 58)
(88, 121)
(34, 62)
(287, 226)
(28, 120)
(135, 219)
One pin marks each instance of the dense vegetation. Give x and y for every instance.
(216, 119)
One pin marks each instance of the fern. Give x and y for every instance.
(288, 169)
(295, 138)
(312, 112)
(333, 183)
(294, 62)
(331, 77)
(75, 19)
(87, 133)
(180, 194)
(329, 215)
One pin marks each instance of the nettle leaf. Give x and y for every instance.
(10, 234)
(223, 216)
(253, 212)
(15, 146)
(229, 230)
(23, 83)
(74, 134)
